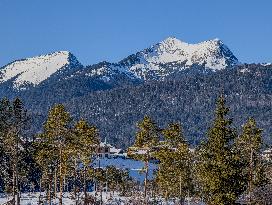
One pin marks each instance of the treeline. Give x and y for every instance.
(225, 167)
(54, 161)
(187, 98)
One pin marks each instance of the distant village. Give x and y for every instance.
(107, 150)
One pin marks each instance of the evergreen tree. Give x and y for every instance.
(147, 138)
(54, 146)
(248, 146)
(174, 171)
(218, 167)
(13, 121)
(86, 140)
(5, 114)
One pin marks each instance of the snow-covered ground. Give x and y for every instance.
(133, 166)
(107, 198)
(33, 198)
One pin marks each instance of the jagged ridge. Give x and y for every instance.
(170, 56)
(155, 63)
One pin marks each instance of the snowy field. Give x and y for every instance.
(33, 198)
(135, 170)
(108, 199)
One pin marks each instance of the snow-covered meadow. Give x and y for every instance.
(134, 168)
(107, 199)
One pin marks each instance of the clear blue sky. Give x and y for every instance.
(97, 30)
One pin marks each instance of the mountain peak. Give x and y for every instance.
(171, 40)
(214, 54)
(172, 55)
(33, 71)
(216, 40)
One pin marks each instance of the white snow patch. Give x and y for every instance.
(266, 64)
(34, 70)
(244, 70)
(108, 198)
(172, 50)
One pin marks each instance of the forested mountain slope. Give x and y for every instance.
(171, 81)
(189, 99)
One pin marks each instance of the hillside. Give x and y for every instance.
(190, 99)
(171, 81)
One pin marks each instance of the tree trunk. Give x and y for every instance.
(181, 201)
(85, 186)
(17, 172)
(13, 184)
(101, 197)
(60, 179)
(166, 197)
(250, 175)
(17, 192)
(50, 189)
(55, 184)
(145, 181)
(40, 195)
(180, 198)
(75, 191)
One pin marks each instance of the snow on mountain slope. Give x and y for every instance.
(155, 63)
(33, 71)
(213, 53)
(106, 70)
(172, 55)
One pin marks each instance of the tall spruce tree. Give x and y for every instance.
(13, 121)
(248, 147)
(218, 167)
(86, 140)
(147, 138)
(5, 114)
(174, 170)
(54, 146)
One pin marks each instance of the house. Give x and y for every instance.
(267, 154)
(103, 150)
(106, 150)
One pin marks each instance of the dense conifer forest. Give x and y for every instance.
(187, 97)
(225, 168)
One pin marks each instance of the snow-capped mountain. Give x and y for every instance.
(33, 71)
(185, 81)
(171, 56)
(157, 62)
